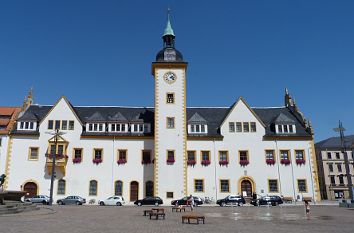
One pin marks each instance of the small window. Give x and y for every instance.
(146, 157)
(285, 127)
(301, 184)
(170, 122)
(284, 154)
(77, 153)
(224, 186)
(71, 125)
(170, 155)
(337, 155)
(290, 128)
(170, 98)
(93, 188)
(243, 155)
(98, 153)
(57, 124)
(329, 155)
(118, 188)
(231, 127)
(122, 155)
(198, 185)
(31, 125)
(238, 127)
(280, 128)
(22, 125)
(246, 127)
(330, 167)
(273, 186)
(50, 124)
(205, 155)
(191, 155)
(64, 125)
(169, 194)
(61, 187)
(223, 156)
(253, 127)
(60, 149)
(299, 154)
(333, 180)
(341, 180)
(339, 167)
(33, 154)
(26, 125)
(270, 154)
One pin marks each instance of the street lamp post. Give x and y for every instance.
(341, 130)
(53, 166)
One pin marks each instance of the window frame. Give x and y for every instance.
(305, 185)
(170, 120)
(221, 185)
(202, 185)
(167, 98)
(30, 153)
(269, 186)
(64, 189)
(90, 189)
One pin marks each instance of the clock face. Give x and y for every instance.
(170, 77)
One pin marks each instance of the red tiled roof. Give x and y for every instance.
(12, 113)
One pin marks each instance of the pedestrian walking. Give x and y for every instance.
(307, 208)
(191, 202)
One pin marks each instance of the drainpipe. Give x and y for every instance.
(278, 162)
(312, 188)
(292, 176)
(215, 181)
(112, 182)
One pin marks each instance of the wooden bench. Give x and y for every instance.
(179, 208)
(194, 216)
(157, 215)
(146, 212)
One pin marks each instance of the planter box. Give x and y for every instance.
(244, 162)
(270, 161)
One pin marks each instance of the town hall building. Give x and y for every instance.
(169, 150)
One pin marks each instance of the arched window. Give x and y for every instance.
(61, 187)
(93, 188)
(118, 188)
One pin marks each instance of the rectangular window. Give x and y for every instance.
(71, 125)
(26, 125)
(339, 167)
(113, 127)
(170, 155)
(205, 155)
(192, 128)
(290, 129)
(198, 185)
(231, 127)
(329, 155)
(53, 150)
(50, 124)
(284, 154)
(224, 186)
(60, 149)
(301, 184)
(64, 125)
(333, 180)
(170, 122)
(169, 194)
(77, 153)
(337, 155)
(341, 180)
(238, 127)
(61, 187)
(285, 127)
(246, 127)
(202, 128)
(273, 186)
(146, 128)
(31, 125)
(33, 153)
(330, 167)
(253, 127)
(123, 127)
(170, 98)
(122, 155)
(57, 124)
(299, 154)
(22, 125)
(243, 155)
(280, 128)
(270, 154)
(98, 153)
(146, 156)
(223, 156)
(191, 155)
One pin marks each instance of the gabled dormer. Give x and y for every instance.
(117, 123)
(284, 124)
(95, 123)
(197, 125)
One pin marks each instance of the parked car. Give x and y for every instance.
(71, 200)
(38, 199)
(267, 200)
(114, 200)
(184, 200)
(231, 200)
(149, 201)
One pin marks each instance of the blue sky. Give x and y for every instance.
(100, 53)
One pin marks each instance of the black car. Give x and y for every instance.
(184, 201)
(231, 200)
(267, 200)
(149, 201)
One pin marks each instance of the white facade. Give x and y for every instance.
(3, 152)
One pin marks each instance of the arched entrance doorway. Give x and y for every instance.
(149, 189)
(246, 186)
(134, 190)
(31, 189)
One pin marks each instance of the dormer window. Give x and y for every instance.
(26, 125)
(285, 129)
(197, 128)
(95, 127)
(118, 127)
(140, 128)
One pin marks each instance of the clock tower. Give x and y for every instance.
(169, 71)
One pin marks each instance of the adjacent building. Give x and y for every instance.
(331, 166)
(169, 150)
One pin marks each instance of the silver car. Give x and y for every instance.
(38, 199)
(71, 200)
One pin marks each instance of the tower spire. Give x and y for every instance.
(168, 29)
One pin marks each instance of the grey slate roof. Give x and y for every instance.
(335, 143)
(213, 117)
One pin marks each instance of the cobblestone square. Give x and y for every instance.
(87, 219)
